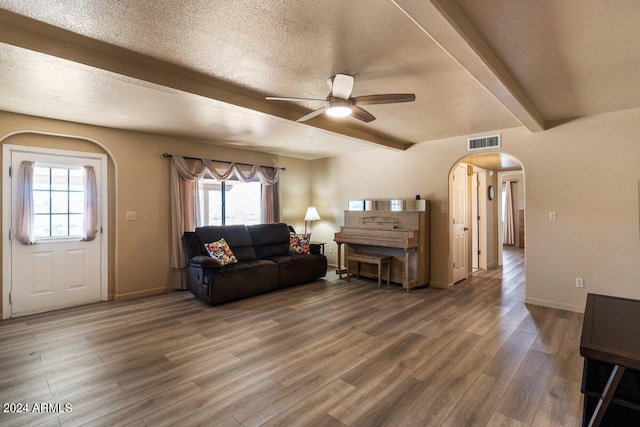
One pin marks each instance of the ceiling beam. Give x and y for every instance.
(443, 22)
(27, 33)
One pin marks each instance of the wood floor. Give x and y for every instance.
(330, 353)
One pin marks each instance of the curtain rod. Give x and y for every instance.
(167, 155)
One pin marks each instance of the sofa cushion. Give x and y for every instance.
(237, 236)
(242, 280)
(300, 268)
(192, 245)
(221, 251)
(269, 239)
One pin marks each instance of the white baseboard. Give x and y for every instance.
(554, 304)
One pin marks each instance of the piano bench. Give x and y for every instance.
(379, 260)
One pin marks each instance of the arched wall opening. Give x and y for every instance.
(57, 141)
(476, 203)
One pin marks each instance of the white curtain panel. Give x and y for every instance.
(24, 211)
(90, 204)
(509, 232)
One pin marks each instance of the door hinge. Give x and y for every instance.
(100, 230)
(478, 252)
(10, 237)
(10, 294)
(454, 265)
(10, 171)
(478, 217)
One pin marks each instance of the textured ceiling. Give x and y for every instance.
(200, 68)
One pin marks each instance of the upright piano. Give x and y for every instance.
(398, 228)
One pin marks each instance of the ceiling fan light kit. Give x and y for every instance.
(339, 102)
(336, 107)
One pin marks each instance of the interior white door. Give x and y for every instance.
(459, 218)
(59, 270)
(475, 222)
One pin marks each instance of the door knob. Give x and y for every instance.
(465, 229)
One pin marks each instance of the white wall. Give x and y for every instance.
(586, 169)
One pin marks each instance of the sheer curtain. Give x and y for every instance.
(270, 204)
(185, 174)
(24, 211)
(509, 232)
(90, 204)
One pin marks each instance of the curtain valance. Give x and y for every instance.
(197, 168)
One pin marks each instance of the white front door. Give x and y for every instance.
(60, 269)
(459, 218)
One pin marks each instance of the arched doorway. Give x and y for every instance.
(476, 202)
(52, 155)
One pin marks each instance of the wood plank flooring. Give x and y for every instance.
(329, 353)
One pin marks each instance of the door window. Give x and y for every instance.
(58, 201)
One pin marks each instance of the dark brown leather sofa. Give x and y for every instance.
(264, 263)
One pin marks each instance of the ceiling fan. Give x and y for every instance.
(339, 102)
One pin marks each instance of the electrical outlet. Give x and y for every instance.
(130, 215)
(331, 249)
(579, 282)
(553, 216)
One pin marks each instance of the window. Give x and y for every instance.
(58, 201)
(230, 202)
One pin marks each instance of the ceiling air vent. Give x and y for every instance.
(483, 142)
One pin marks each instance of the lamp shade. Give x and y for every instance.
(312, 214)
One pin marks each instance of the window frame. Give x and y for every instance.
(207, 187)
(51, 214)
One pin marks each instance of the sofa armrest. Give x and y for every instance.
(205, 262)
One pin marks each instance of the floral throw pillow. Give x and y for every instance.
(221, 251)
(299, 243)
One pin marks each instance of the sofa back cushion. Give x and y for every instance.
(192, 245)
(236, 236)
(270, 239)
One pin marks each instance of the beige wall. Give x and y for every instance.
(139, 181)
(587, 170)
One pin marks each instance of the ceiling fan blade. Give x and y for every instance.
(342, 86)
(389, 98)
(284, 98)
(311, 115)
(362, 114)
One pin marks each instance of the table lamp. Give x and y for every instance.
(312, 215)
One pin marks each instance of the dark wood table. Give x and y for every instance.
(610, 345)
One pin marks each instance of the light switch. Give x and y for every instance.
(131, 216)
(553, 216)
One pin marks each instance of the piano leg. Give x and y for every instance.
(340, 271)
(405, 281)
